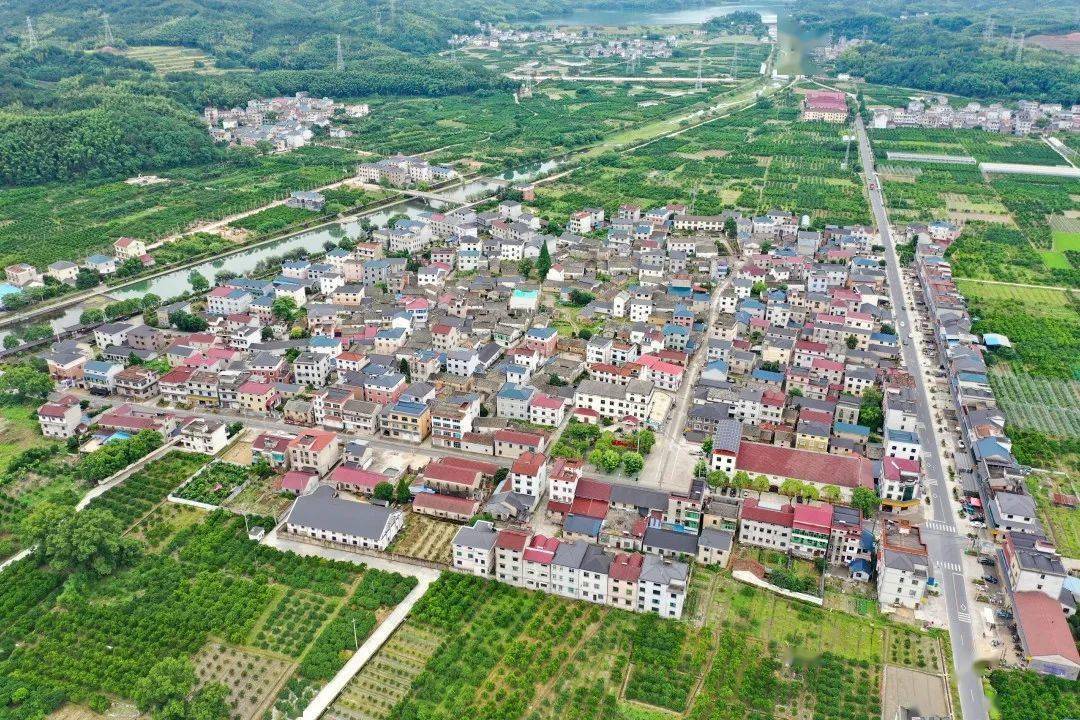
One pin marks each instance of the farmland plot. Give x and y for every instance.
(1051, 406)
(251, 678)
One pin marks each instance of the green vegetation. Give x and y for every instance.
(1062, 523)
(134, 633)
(493, 130)
(82, 217)
(282, 217)
(509, 653)
(1019, 695)
(215, 483)
(136, 496)
(758, 159)
(940, 46)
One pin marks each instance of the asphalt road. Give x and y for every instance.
(662, 471)
(945, 544)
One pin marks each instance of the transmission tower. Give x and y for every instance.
(988, 33)
(109, 40)
(735, 64)
(1020, 48)
(697, 85)
(31, 36)
(340, 56)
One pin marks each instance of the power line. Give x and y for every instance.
(31, 36)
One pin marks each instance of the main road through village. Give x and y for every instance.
(946, 547)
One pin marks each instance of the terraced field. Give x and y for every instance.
(167, 59)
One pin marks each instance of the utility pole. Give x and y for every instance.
(340, 57)
(108, 30)
(735, 64)
(355, 640)
(697, 85)
(31, 36)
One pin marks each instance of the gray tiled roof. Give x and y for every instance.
(323, 511)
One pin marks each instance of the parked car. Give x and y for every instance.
(990, 579)
(987, 561)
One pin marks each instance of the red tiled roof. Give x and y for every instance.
(751, 510)
(815, 518)
(1044, 627)
(512, 540)
(446, 503)
(295, 480)
(892, 467)
(442, 472)
(848, 471)
(626, 566)
(596, 509)
(559, 508)
(547, 401)
(484, 468)
(357, 477)
(828, 100)
(529, 463)
(519, 438)
(541, 549)
(314, 440)
(591, 489)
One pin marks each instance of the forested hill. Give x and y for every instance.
(943, 46)
(73, 105)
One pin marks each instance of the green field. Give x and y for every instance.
(492, 130)
(67, 221)
(757, 159)
(208, 586)
(740, 653)
(167, 59)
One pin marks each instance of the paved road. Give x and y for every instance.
(705, 80)
(945, 544)
(662, 471)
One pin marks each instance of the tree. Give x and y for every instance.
(871, 413)
(645, 439)
(150, 301)
(718, 479)
(262, 469)
(87, 279)
(223, 276)
(186, 322)
(525, 268)
(851, 341)
(790, 488)
(198, 281)
(632, 463)
(267, 333)
(701, 468)
(402, 496)
(383, 491)
(15, 301)
(809, 492)
(167, 682)
(234, 427)
(706, 446)
(210, 702)
(760, 484)
(580, 298)
(89, 317)
(866, 500)
(742, 480)
(731, 229)
(585, 334)
(24, 383)
(403, 366)
(69, 540)
(543, 263)
(831, 494)
(12, 341)
(284, 308)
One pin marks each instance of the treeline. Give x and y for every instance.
(941, 47)
(123, 135)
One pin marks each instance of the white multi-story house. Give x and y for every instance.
(510, 556)
(312, 368)
(203, 435)
(528, 474)
(474, 548)
(764, 525)
(616, 401)
(60, 419)
(903, 565)
(662, 586)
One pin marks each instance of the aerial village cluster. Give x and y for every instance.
(599, 410)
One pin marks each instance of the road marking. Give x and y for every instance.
(963, 617)
(939, 526)
(952, 567)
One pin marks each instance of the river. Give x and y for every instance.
(794, 43)
(172, 284)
